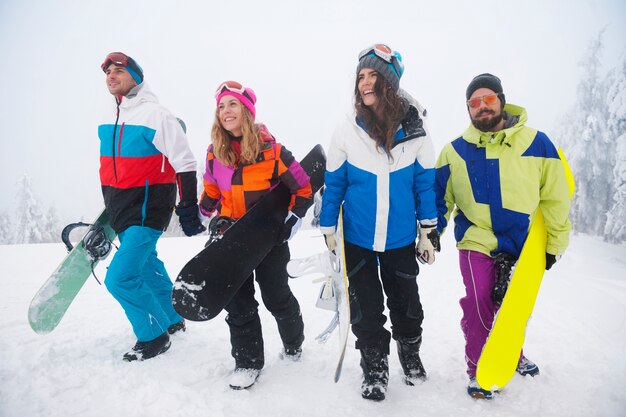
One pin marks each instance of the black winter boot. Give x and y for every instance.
(292, 353)
(146, 350)
(177, 327)
(375, 374)
(409, 354)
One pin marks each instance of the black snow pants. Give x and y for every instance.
(246, 336)
(398, 279)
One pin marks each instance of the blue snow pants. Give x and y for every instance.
(139, 282)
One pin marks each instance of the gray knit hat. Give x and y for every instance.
(391, 69)
(485, 80)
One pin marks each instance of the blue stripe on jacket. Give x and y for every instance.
(136, 141)
(541, 147)
(423, 180)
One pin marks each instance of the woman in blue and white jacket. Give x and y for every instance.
(380, 168)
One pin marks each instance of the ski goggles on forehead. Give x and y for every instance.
(385, 53)
(119, 58)
(233, 87)
(381, 50)
(489, 99)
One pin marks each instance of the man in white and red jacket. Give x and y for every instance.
(144, 156)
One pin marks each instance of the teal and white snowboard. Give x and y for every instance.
(55, 296)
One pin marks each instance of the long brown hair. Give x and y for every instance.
(250, 141)
(391, 107)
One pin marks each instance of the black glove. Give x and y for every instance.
(291, 226)
(550, 260)
(190, 219)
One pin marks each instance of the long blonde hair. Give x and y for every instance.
(250, 141)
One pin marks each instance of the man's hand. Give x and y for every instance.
(551, 260)
(189, 218)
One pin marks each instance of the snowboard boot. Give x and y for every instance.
(475, 391)
(526, 367)
(243, 378)
(177, 327)
(292, 353)
(409, 354)
(146, 350)
(375, 374)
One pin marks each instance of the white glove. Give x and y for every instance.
(425, 248)
(331, 242)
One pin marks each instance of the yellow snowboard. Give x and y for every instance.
(500, 355)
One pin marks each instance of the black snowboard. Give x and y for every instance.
(208, 282)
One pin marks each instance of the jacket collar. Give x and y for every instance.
(515, 118)
(140, 93)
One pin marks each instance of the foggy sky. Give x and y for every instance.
(300, 58)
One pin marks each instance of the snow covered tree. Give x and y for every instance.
(52, 227)
(590, 153)
(29, 214)
(6, 228)
(615, 229)
(592, 132)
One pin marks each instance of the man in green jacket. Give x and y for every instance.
(497, 174)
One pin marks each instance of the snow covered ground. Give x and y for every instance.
(577, 336)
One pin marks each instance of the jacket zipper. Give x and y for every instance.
(119, 141)
(117, 118)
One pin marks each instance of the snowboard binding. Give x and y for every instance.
(505, 263)
(317, 207)
(217, 227)
(95, 241)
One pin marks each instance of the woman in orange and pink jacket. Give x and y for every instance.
(244, 163)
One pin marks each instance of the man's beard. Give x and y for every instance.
(487, 124)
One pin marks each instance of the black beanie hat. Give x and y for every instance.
(485, 80)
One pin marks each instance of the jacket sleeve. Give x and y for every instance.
(171, 141)
(443, 190)
(187, 188)
(423, 184)
(297, 180)
(336, 183)
(555, 204)
(211, 196)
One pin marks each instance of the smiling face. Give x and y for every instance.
(486, 117)
(118, 80)
(366, 79)
(230, 112)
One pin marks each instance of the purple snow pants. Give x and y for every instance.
(479, 275)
